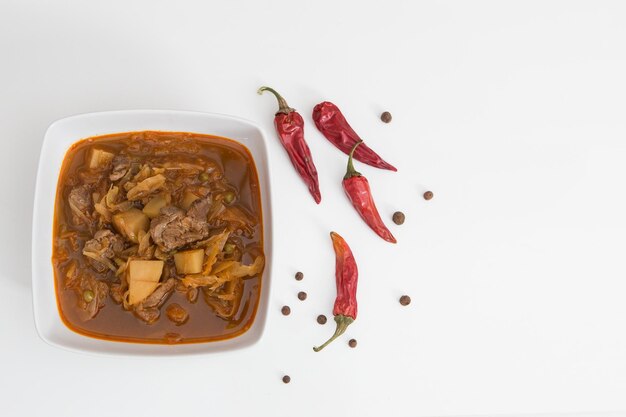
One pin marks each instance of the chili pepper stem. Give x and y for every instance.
(342, 324)
(350, 171)
(283, 107)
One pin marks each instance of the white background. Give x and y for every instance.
(513, 113)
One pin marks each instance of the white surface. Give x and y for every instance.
(513, 113)
(58, 138)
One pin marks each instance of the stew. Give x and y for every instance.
(158, 238)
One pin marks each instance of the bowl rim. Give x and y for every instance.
(134, 349)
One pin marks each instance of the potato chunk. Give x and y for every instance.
(154, 206)
(189, 261)
(188, 199)
(99, 158)
(143, 279)
(130, 222)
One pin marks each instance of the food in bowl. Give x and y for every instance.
(158, 238)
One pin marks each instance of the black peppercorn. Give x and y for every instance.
(398, 217)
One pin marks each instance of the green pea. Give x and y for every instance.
(88, 296)
(204, 177)
(229, 197)
(229, 248)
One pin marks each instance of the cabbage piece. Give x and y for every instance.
(238, 219)
(225, 302)
(129, 252)
(144, 172)
(145, 249)
(214, 246)
(215, 210)
(103, 211)
(70, 275)
(183, 165)
(110, 199)
(79, 213)
(235, 271)
(146, 187)
(97, 257)
(220, 280)
(198, 280)
(222, 273)
(222, 266)
(123, 266)
(109, 204)
(239, 271)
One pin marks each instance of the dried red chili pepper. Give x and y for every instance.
(357, 189)
(346, 276)
(290, 128)
(331, 122)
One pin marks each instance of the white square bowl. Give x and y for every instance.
(59, 137)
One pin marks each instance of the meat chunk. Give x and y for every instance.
(167, 230)
(148, 309)
(80, 203)
(102, 248)
(176, 314)
(158, 297)
(149, 315)
(117, 292)
(121, 165)
(174, 228)
(192, 295)
(106, 243)
(199, 210)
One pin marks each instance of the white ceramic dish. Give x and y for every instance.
(59, 137)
